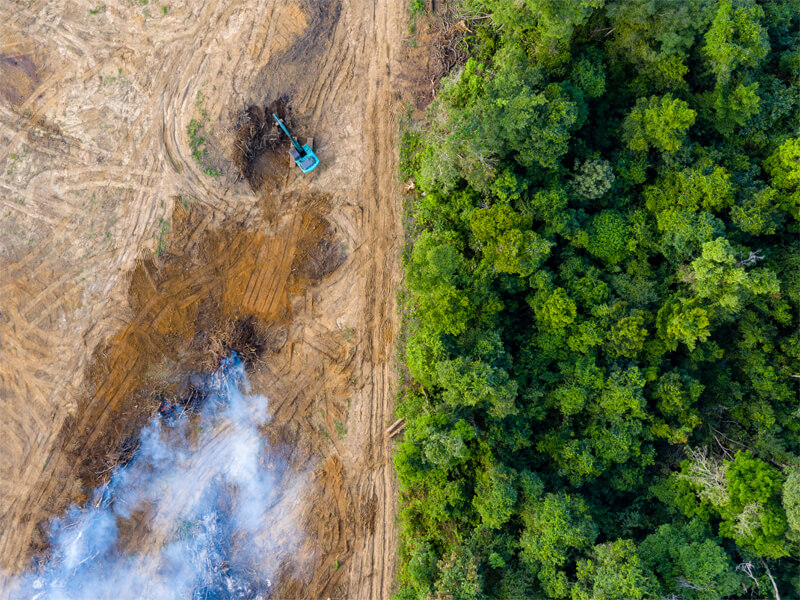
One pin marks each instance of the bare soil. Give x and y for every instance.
(125, 269)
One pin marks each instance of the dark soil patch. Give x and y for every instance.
(277, 77)
(18, 78)
(323, 258)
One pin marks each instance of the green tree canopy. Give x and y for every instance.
(658, 122)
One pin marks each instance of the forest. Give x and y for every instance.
(601, 354)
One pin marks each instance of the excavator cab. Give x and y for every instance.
(307, 162)
(303, 156)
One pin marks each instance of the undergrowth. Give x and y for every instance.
(197, 140)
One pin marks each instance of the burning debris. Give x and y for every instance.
(221, 581)
(166, 408)
(199, 478)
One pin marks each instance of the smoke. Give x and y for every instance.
(195, 514)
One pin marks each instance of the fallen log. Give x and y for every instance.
(395, 428)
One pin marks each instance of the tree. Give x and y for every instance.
(448, 308)
(702, 186)
(609, 235)
(434, 261)
(676, 395)
(783, 166)
(589, 74)
(550, 207)
(508, 187)
(554, 309)
(658, 122)
(759, 213)
(614, 571)
(554, 528)
(744, 493)
(496, 495)
(444, 448)
(423, 352)
(594, 178)
(707, 475)
(454, 148)
(550, 22)
(689, 561)
(733, 106)
(627, 337)
(685, 202)
(435, 273)
(681, 320)
(530, 121)
(753, 515)
(610, 431)
(459, 576)
(736, 38)
(791, 500)
(602, 270)
(470, 383)
(719, 278)
(654, 39)
(421, 568)
(506, 241)
(683, 232)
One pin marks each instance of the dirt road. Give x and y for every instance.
(95, 301)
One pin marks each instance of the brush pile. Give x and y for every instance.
(258, 134)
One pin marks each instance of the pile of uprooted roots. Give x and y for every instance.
(257, 133)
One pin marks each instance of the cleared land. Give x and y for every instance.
(126, 264)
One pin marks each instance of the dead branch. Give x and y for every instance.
(747, 569)
(771, 580)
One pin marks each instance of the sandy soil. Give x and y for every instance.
(123, 266)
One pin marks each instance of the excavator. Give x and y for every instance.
(303, 156)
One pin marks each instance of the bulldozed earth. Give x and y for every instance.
(153, 223)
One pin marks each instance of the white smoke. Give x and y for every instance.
(201, 494)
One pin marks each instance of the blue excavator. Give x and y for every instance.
(303, 156)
